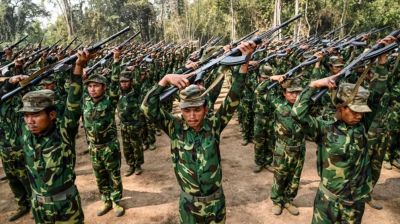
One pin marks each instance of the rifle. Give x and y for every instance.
(334, 31)
(226, 59)
(69, 45)
(375, 51)
(7, 67)
(104, 60)
(59, 66)
(76, 48)
(14, 45)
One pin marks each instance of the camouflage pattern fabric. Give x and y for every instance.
(132, 124)
(264, 136)
(195, 155)
(202, 212)
(50, 163)
(101, 133)
(246, 108)
(343, 160)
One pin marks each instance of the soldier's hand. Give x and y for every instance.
(81, 61)
(17, 78)
(227, 48)
(180, 81)
(328, 82)
(382, 59)
(192, 65)
(279, 78)
(116, 54)
(253, 63)
(319, 55)
(18, 62)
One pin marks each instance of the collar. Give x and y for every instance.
(48, 131)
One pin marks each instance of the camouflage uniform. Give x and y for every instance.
(289, 150)
(101, 133)
(195, 155)
(132, 123)
(12, 154)
(50, 159)
(264, 137)
(343, 161)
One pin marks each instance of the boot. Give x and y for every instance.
(276, 209)
(396, 163)
(118, 209)
(374, 204)
(245, 142)
(292, 209)
(138, 170)
(257, 169)
(107, 206)
(269, 168)
(152, 147)
(387, 165)
(22, 210)
(130, 171)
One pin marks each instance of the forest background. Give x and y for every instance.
(181, 21)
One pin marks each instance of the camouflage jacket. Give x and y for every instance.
(50, 156)
(343, 162)
(195, 155)
(99, 118)
(129, 108)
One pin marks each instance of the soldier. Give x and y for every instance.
(12, 156)
(49, 147)
(195, 143)
(264, 140)
(101, 132)
(289, 152)
(343, 161)
(132, 124)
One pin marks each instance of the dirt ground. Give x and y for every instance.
(153, 196)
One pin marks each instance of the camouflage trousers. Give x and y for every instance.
(132, 144)
(377, 144)
(393, 147)
(64, 211)
(246, 118)
(149, 133)
(191, 212)
(288, 163)
(14, 168)
(264, 140)
(327, 211)
(106, 162)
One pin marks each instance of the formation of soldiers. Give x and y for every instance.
(350, 124)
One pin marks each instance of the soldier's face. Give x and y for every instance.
(40, 121)
(96, 90)
(194, 116)
(348, 116)
(291, 96)
(125, 85)
(50, 86)
(335, 69)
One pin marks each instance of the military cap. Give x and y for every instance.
(96, 78)
(191, 96)
(47, 80)
(266, 71)
(292, 85)
(359, 102)
(125, 76)
(208, 52)
(36, 101)
(336, 61)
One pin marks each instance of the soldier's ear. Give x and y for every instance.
(53, 115)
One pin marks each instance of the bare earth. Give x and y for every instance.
(153, 196)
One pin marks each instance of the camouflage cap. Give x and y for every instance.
(359, 102)
(191, 96)
(292, 85)
(96, 78)
(266, 71)
(125, 76)
(208, 52)
(36, 101)
(336, 61)
(48, 80)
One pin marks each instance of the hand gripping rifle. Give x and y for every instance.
(14, 45)
(373, 52)
(104, 60)
(230, 58)
(59, 66)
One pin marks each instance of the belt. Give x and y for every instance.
(333, 197)
(71, 191)
(214, 196)
(289, 147)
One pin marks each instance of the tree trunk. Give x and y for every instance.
(297, 27)
(233, 36)
(277, 16)
(343, 18)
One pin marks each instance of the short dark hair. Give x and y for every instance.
(50, 109)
